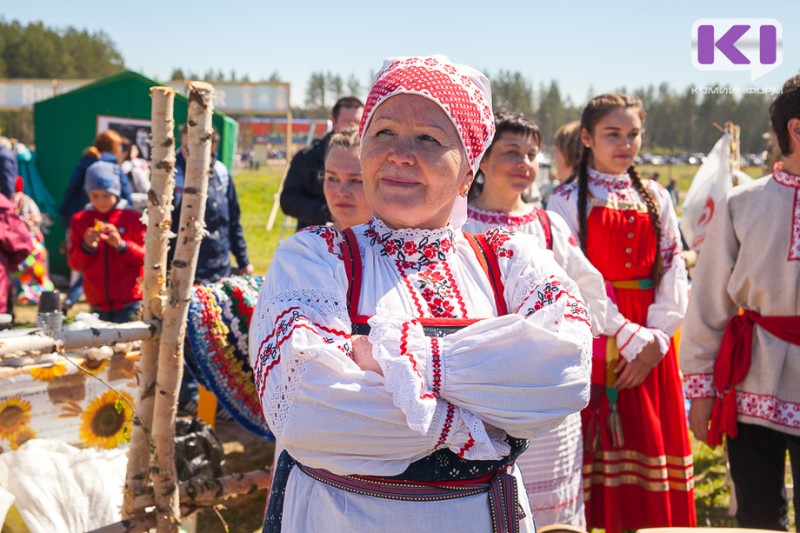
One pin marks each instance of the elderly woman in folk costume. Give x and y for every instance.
(552, 465)
(400, 363)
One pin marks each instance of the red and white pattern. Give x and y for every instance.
(438, 288)
(699, 386)
(620, 184)
(462, 92)
(498, 218)
(286, 323)
(421, 260)
(331, 237)
(769, 408)
(792, 181)
(498, 238)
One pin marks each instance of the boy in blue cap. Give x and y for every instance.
(107, 246)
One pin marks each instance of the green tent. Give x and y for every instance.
(67, 124)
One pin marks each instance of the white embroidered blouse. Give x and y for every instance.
(519, 374)
(665, 315)
(751, 260)
(564, 247)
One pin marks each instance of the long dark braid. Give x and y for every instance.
(655, 216)
(583, 197)
(594, 111)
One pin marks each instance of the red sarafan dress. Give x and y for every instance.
(638, 463)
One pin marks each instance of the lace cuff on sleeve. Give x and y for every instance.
(400, 347)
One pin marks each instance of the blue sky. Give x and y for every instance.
(585, 46)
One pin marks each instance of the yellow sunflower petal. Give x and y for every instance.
(106, 422)
(15, 413)
(22, 436)
(49, 373)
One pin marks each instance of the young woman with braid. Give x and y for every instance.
(638, 460)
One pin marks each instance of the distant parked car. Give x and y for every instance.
(696, 158)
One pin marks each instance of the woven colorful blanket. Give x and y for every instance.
(219, 320)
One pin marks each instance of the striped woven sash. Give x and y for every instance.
(644, 283)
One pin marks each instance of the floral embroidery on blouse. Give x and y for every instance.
(438, 288)
(609, 181)
(329, 235)
(498, 218)
(565, 190)
(790, 180)
(412, 248)
(545, 294)
(497, 238)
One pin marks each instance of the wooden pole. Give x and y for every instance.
(194, 496)
(276, 200)
(212, 491)
(170, 356)
(63, 341)
(159, 221)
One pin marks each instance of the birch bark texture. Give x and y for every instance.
(191, 230)
(156, 242)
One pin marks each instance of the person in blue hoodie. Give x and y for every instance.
(225, 237)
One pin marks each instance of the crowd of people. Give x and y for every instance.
(420, 358)
(443, 344)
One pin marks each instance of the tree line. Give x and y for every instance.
(677, 120)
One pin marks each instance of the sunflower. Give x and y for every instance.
(22, 436)
(50, 373)
(106, 423)
(15, 413)
(94, 366)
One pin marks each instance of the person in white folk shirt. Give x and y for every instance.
(552, 465)
(401, 365)
(740, 348)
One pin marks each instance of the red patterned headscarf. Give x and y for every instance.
(463, 93)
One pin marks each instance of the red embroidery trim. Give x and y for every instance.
(448, 424)
(404, 351)
(470, 443)
(436, 366)
(630, 338)
(449, 274)
(410, 288)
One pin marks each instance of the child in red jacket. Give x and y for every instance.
(107, 246)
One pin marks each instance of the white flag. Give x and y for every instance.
(710, 183)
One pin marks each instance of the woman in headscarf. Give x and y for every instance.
(400, 364)
(552, 466)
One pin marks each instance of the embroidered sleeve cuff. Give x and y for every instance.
(699, 386)
(401, 349)
(469, 438)
(631, 339)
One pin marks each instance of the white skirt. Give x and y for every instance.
(551, 468)
(312, 506)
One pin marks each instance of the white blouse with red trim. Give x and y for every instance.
(519, 374)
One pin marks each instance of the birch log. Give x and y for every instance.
(156, 242)
(170, 354)
(69, 340)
